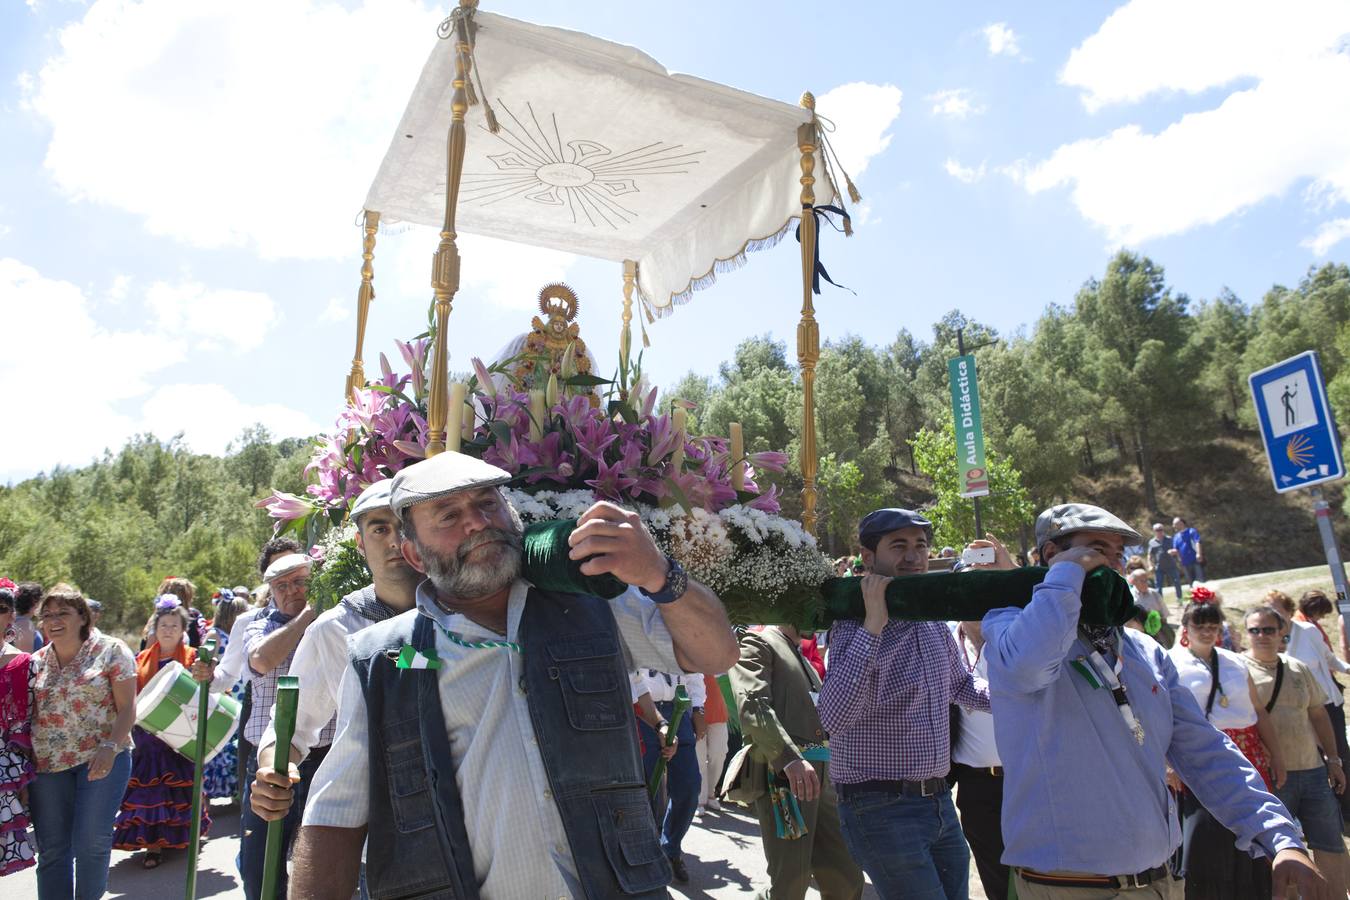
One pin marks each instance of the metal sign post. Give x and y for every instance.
(1303, 446)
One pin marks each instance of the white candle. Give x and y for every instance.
(737, 457)
(454, 416)
(680, 419)
(538, 413)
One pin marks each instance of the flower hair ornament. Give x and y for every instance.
(1202, 595)
(6, 583)
(221, 596)
(167, 601)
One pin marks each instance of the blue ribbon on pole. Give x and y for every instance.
(821, 213)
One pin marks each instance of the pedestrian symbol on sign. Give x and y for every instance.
(1290, 407)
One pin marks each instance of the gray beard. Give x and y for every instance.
(453, 577)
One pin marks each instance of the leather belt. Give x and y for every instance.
(1116, 882)
(929, 787)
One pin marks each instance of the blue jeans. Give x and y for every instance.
(253, 837)
(911, 847)
(1161, 576)
(1193, 572)
(73, 820)
(684, 782)
(1308, 796)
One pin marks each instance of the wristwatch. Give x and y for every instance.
(677, 582)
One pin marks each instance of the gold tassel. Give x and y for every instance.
(491, 118)
(651, 320)
(852, 191)
(646, 341)
(848, 227)
(470, 92)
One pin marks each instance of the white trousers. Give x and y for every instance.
(712, 755)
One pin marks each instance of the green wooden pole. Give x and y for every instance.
(288, 696)
(206, 654)
(681, 707)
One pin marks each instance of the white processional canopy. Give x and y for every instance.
(600, 151)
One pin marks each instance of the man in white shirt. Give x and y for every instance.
(321, 656)
(684, 781)
(509, 682)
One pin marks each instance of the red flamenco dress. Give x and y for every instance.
(16, 764)
(157, 809)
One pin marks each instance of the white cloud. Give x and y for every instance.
(188, 308)
(71, 366)
(1001, 40)
(117, 291)
(210, 416)
(337, 310)
(252, 123)
(1257, 143)
(963, 173)
(957, 103)
(862, 114)
(91, 377)
(1329, 234)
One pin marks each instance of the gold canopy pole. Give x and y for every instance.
(626, 333)
(445, 266)
(808, 332)
(366, 293)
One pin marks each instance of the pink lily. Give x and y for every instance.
(769, 460)
(484, 379)
(610, 482)
(663, 437)
(284, 506)
(767, 501)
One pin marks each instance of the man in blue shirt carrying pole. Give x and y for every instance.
(1087, 718)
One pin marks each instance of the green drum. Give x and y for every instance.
(167, 708)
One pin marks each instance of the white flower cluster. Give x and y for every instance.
(330, 543)
(738, 549)
(548, 505)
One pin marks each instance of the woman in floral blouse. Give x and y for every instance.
(84, 696)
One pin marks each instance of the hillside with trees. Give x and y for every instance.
(1127, 394)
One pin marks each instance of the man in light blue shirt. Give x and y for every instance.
(1085, 803)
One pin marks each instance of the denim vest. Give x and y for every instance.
(577, 690)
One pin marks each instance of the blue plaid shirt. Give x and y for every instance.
(265, 686)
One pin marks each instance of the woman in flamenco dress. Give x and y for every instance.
(157, 810)
(16, 743)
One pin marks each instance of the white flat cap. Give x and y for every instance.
(445, 473)
(288, 563)
(374, 497)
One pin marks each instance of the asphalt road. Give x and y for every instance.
(722, 851)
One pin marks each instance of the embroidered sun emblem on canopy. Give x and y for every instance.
(584, 176)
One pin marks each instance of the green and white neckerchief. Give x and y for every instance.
(1095, 670)
(411, 658)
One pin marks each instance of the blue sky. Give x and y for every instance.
(178, 183)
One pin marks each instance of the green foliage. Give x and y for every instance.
(1007, 508)
(118, 527)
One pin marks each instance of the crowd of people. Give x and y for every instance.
(464, 732)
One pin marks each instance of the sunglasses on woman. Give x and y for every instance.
(1263, 630)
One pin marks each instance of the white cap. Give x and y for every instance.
(288, 563)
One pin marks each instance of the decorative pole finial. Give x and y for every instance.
(809, 101)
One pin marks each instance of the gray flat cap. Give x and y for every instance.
(1069, 518)
(445, 473)
(876, 525)
(374, 497)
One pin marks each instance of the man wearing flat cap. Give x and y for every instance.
(321, 656)
(485, 742)
(269, 642)
(1087, 718)
(885, 703)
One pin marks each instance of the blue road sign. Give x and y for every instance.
(1302, 443)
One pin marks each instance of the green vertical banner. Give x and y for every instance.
(974, 478)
